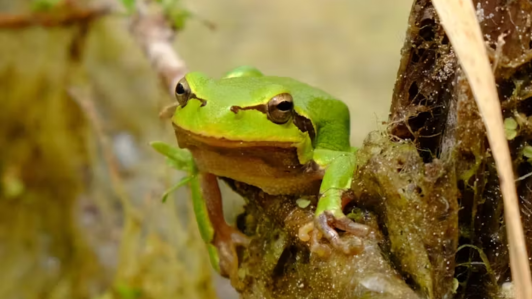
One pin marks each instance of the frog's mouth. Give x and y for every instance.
(187, 139)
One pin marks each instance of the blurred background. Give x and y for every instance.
(80, 188)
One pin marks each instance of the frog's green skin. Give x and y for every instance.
(290, 149)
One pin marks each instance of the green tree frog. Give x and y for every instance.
(278, 134)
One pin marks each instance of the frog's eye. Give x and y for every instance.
(182, 92)
(280, 108)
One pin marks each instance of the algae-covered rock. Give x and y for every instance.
(417, 204)
(278, 265)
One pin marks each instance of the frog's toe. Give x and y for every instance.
(316, 247)
(226, 244)
(239, 239)
(307, 233)
(348, 225)
(326, 224)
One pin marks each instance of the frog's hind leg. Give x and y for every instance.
(226, 238)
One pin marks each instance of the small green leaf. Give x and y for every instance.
(356, 215)
(510, 128)
(179, 18)
(181, 183)
(510, 123)
(174, 11)
(178, 158)
(129, 5)
(511, 134)
(303, 203)
(456, 284)
(43, 5)
(127, 292)
(527, 151)
(167, 150)
(179, 165)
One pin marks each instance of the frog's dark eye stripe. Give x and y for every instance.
(304, 125)
(279, 109)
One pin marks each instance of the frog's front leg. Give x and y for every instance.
(329, 214)
(225, 238)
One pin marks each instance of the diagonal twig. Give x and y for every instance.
(68, 17)
(155, 36)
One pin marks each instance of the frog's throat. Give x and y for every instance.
(302, 123)
(273, 166)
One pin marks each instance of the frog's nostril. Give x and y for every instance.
(235, 109)
(195, 97)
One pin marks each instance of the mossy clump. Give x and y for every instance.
(433, 108)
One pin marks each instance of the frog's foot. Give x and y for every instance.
(325, 224)
(226, 240)
(307, 233)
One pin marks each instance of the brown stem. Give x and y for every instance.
(52, 19)
(155, 36)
